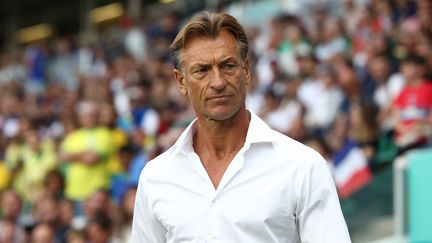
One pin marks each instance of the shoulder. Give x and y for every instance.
(158, 166)
(282, 146)
(75, 135)
(295, 151)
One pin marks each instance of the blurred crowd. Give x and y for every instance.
(80, 117)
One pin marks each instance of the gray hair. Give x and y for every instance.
(208, 25)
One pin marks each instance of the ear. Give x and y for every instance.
(181, 81)
(246, 71)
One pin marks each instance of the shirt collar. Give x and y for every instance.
(184, 142)
(258, 132)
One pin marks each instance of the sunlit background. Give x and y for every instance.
(88, 97)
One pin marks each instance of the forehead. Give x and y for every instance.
(208, 49)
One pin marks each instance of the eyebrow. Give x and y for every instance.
(228, 59)
(206, 64)
(200, 65)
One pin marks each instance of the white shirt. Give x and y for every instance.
(322, 103)
(274, 190)
(281, 119)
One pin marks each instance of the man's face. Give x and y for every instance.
(89, 117)
(214, 76)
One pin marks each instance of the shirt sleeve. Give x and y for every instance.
(145, 228)
(319, 214)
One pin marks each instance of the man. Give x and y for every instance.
(229, 177)
(85, 151)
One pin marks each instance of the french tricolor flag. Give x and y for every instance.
(350, 169)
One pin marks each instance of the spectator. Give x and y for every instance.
(11, 228)
(10, 71)
(349, 82)
(98, 202)
(66, 218)
(362, 122)
(85, 150)
(35, 59)
(135, 42)
(38, 157)
(281, 106)
(46, 211)
(10, 206)
(412, 108)
(11, 232)
(133, 157)
(375, 76)
(64, 68)
(331, 43)
(42, 233)
(54, 184)
(324, 104)
(91, 61)
(100, 228)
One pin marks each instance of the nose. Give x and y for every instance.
(217, 80)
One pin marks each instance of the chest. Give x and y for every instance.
(261, 201)
(216, 168)
(416, 96)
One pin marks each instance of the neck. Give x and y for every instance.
(221, 138)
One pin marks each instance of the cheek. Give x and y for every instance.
(196, 90)
(243, 85)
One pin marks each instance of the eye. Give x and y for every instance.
(200, 72)
(228, 67)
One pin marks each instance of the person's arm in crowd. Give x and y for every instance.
(88, 157)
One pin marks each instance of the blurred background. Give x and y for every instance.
(87, 97)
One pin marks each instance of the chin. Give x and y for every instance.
(221, 115)
(217, 117)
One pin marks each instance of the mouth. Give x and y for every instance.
(220, 97)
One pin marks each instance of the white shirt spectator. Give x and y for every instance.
(385, 94)
(274, 190)
(326, 51)
(89, 64)
(135, 43)
(282, 118)
(322, 103)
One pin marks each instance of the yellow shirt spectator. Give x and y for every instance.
(36, 165)
(30, 161)
(83, 178)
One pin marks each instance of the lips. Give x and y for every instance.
(219, 97)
